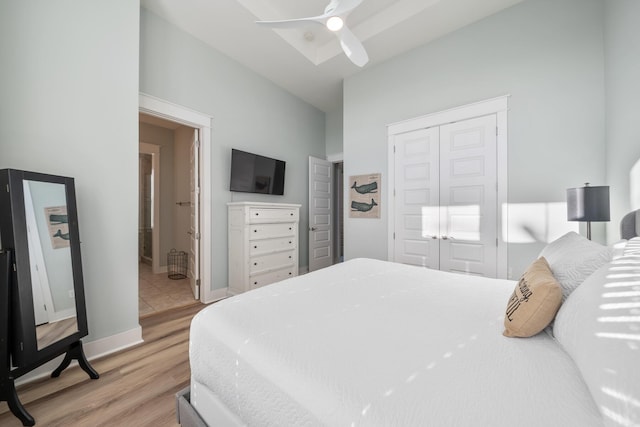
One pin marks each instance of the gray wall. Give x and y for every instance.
(546, 54)
(69, 106)
(249, 113)
(622, 71)
(334, 131)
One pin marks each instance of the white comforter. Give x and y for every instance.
(376, 343)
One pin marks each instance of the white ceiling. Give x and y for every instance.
(309, 62)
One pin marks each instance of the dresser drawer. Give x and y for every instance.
(258, 215)
(258, 280)
(268, 231)
(271, 261)
(258, 247)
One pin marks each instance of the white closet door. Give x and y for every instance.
(416, 198)
(468, 196)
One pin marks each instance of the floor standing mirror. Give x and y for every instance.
(42, 305)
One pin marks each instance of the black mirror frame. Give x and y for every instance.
(24, 348)
(18, 340)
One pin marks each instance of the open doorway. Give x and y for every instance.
(178, 114)
(168, 275)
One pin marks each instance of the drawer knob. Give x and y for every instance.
(255, 283)
(255, 231)
(289, 241)
(290, 273)
(257, 214)
(255, 263)
(291, 214)
(289, 228)
(255, 247)
(289, 256)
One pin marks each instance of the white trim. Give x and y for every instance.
(503, 194)
(498, 106)
(391, 211)
(464, 112)
(154, 150)
(179, 114)
(92, 350)
(111, 344)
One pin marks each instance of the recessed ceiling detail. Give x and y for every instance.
(379, 16)
(334, 20)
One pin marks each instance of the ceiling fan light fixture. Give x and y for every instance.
(335, 23)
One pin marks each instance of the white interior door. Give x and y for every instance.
(320, 213)
(417, 198)
(468, 196)
(194, 229)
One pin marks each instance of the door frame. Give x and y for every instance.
(497, 106)
(176, 113)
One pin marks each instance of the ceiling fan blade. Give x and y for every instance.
(352, 47)
(344, 7)
(293, 23)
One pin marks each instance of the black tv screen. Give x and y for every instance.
(252, 173)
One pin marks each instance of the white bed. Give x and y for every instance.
(371, 342)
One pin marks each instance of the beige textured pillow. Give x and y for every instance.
(534, 302)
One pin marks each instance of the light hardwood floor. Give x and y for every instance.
(136, 386)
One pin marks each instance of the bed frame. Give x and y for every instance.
(186, 415)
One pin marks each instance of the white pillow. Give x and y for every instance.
(598, 325)
(573, 258)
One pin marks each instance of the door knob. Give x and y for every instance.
(313, 228)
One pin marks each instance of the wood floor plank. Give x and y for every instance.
(136, 387)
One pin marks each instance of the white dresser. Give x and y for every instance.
(263, 244)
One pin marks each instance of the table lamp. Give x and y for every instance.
(588, 204)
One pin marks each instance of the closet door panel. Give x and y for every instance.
(416, 198)
(468, 196)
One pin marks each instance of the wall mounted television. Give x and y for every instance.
(252, 173)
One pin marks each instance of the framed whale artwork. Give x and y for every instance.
(364, 196)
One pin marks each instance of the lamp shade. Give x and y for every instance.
(588, 203)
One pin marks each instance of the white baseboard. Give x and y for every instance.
(117, 342)
(92, 350)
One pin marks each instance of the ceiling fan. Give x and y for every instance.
(333, 18)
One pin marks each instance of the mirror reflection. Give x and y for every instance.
(54, 301)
